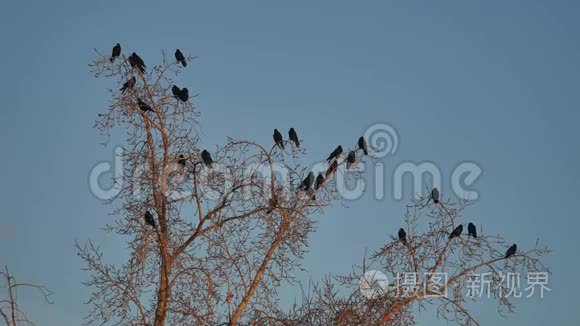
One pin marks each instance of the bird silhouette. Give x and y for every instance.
(294, 137)
(180, 58)
(472, 230)
(137, 62)
(435, 195)
(176, 91)
(116, 52)
(362, 144)
(307, 182)
(511, 251)
(144, 106)
(128, 84)
(278, 138)
(149, 219)
(403, 235)
(319, 181)
(335, 153)
(331, 169)
(456, 232)
(184, 94)
(182, 160)
(206, 157)
(350, 160)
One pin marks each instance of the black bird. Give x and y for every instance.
(149, 219)
(350, 159)
(472, 230)
(206, 157)
(182, 160)
(137, 62)
(144, 106)
(331, 169)
(435, 195)
(180, 58)
(294, 137)
(128, 84)
(176, 91)
(511, 251)
(184, 95)
(403, 235)
(307, 182)
(456, 232)
(116, 52)
(278, 138)
(362, 144)
(336, 153)
(319, 181)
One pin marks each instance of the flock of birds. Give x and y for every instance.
(471, 229)
(309, 183)
(136, 62)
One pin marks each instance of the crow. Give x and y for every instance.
(128, 84)
(336, 153)
(137, 62)
(176, 91)
(456, 232)
(206, 157)
(403, 235)
(143, 106)
(435, 195)
(319, 181)
(362, 144)
(350, 160)
(294, 137)
(472, 230)
(149, 219)
(278, 138)
(511, 251)
(307, 182)
(116, 52)
(182, 160)
(184, 95)
(180, 58)
(331, 169)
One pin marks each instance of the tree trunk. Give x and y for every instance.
(162, 295)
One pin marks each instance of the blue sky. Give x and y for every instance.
(491, 82)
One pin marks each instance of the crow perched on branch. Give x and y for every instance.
(128, 84)
(350, 160)
(137, 62)
(511, 251)
(180, 58)
(472, 230)
(206, 157)
(331, 169)
(144, 106)
(278, 139)
(116, 52)
(362, 144)
(149, 219)
(335, 153)
(307, 182)
(435, 195)
(319, 181)
(403, 235)
(456, 232)
(184, 95)
(176, 91)
(294, 137)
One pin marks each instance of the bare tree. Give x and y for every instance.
(227, 227)
(10, 310)
(442, 271)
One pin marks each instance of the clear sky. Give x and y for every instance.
(493, 82)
